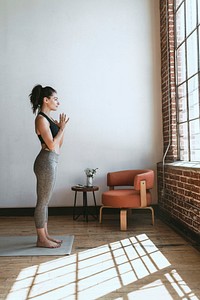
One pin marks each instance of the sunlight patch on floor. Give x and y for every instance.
(180, 286)
(154, 290)
(97, 272)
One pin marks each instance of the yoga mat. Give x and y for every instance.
(26, 246)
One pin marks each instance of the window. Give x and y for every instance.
(187, 53)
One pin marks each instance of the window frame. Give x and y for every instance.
(187, 80)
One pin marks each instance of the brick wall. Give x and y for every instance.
(179, 197)
(178, 186)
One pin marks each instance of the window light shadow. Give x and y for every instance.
(100, 272)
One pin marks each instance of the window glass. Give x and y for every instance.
(199, 39)
(192, 61)
(193, 97)
(190, 16)
(178, 2)
(195, 140)
(180, 19)
(181, 64)
(183, 141)
(182, 103)
(198, 7)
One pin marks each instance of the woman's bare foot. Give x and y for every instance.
(44, 233)
(47, 244)
(54, 240)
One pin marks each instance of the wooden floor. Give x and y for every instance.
(145, 262)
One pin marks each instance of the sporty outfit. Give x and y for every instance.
(45, 168)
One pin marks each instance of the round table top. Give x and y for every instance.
(84, 188)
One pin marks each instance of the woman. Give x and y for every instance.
(50, 133)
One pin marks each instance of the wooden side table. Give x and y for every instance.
(84, 190)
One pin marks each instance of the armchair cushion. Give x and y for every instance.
(125, 198)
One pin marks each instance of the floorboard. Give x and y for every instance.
(144, 262)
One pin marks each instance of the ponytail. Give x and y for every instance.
(37, 95)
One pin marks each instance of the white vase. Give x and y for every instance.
(89, 181)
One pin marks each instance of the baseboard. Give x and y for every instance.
(29, 211)
(59, 211)
(12, 212)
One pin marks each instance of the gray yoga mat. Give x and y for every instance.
(26, 246)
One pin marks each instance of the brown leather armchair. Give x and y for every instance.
(132, 192)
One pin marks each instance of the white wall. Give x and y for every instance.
(103, 57)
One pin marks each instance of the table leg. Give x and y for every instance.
(95, 204)
(74, 212)
(85, 208)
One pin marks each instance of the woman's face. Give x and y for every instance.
(53, 102)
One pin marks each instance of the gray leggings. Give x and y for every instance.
(45, 168)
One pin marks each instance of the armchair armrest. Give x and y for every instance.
(148, 176)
